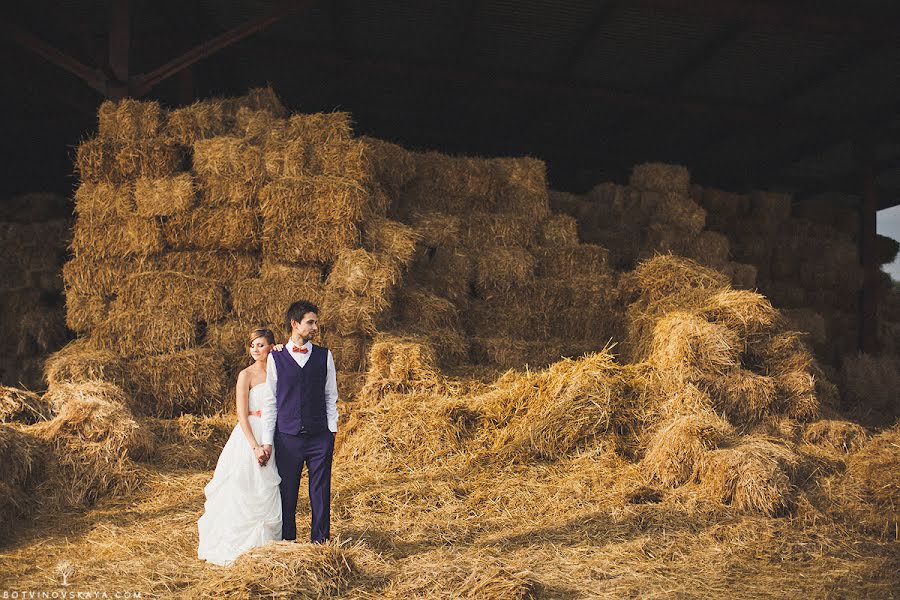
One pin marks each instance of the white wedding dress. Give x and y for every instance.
(243, 504)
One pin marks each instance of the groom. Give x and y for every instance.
(302, 377)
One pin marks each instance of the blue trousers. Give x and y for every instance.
(291, 453)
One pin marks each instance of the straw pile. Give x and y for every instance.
(21, 406)
(33, 243)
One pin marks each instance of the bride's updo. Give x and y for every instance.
(261, 332)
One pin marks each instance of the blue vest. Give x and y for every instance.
(300, 393)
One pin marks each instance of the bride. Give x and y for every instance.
(243, 504)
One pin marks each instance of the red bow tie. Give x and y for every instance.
(299, 349)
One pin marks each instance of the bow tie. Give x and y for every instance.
(299, 349)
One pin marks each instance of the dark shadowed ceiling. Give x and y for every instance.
(792, 95)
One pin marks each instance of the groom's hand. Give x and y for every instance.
(267, 448)
(261, 456)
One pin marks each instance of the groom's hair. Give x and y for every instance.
(296, 311)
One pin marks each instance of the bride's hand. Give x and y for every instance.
(279, 347)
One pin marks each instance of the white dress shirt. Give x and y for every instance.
(331, 391)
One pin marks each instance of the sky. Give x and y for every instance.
(889, 225)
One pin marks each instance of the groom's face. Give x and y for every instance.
(307, 328)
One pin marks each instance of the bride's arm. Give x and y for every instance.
(243, 409)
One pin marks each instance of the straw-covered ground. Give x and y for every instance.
(590, 478)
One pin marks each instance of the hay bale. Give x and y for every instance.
(266, 298)
(709, 248)
(222, 266)
(770, 207)
(500, 268)
(41, 329)
(506, 352)
(99, 160)
(228, 158)
(91, 275)
(723, 209)
(104, 200)
(300, 158)
(437, 230)
(807, 321)
(262, 98)
(35, 207)
(754, 476)
(786, 295)
(453, 185)
(870, 383)
(558, 230)
(391, 240)
(349, 315)
(224, 228)
(165, 196)
(21, 406)
(674, 210)
(522, 187)
(80, 361)
(190, 381)
(569, 262)
(152, 333)
(129, 119)
(85, 311)
(838, 436)
(679, 444)
(421, 311)
(95, 440)
(400, 364)
(349, 351)
(172, 293)
(335, 206)
(229, 339)
(394, 166)
(480, 229)
(660, 177)
(199, 121)
(115, 237)
(361, 273)
(321, 128)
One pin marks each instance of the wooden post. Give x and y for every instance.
(868, 341)
(119, 49)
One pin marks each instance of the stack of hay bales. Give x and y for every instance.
(34, 233)
(807, 258)
(657, 212)
(198, 224)
(490, 257)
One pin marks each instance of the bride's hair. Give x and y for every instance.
(262, 332)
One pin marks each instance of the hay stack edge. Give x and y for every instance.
(543, 395)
